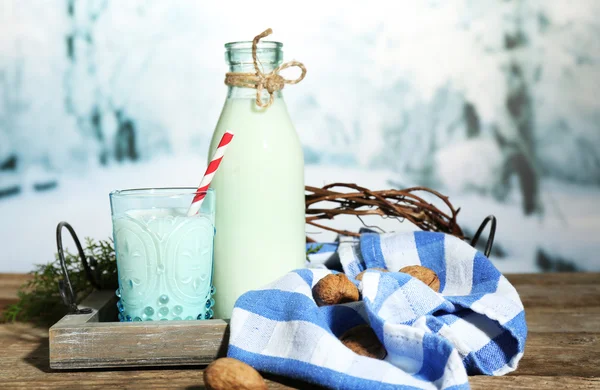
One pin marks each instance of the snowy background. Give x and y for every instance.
(493, 102)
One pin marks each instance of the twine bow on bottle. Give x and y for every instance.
(271, 81)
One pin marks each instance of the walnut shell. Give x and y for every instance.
(228, 373)
(334, 289)
(360, 275)
(424, 274)
(363, 341)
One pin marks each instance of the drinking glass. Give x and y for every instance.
(164, 257)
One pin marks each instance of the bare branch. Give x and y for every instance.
(401, 204)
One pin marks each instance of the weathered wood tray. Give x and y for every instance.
(98, 340)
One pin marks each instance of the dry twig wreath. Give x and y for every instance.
(360, 201)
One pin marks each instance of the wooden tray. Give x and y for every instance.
(98, 340)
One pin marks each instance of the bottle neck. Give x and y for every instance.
(245, 67)
(238, 56)
(250, 93)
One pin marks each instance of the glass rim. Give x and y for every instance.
(158, 192)
(262, 45)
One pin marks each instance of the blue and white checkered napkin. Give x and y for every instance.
(475, 325)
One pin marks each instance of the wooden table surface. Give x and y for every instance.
(562, 350)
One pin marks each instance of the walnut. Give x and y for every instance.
(363, 341)
(424, 274)
(228, 373)
(360, 275)
(334, 289)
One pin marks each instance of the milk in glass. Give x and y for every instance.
(164, 257)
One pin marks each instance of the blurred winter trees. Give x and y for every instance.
(63, 103)
(466, 95)
(527, 112)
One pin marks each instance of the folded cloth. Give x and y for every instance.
(474, 325)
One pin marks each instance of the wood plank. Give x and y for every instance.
(107, 344)
(554, 278)
(9, 284)
(192, 379)
(80, 341)
(568, 320)
(561, 354)
(576, 296)
(533, 382)
(152, 379)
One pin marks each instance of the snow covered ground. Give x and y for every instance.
(568, 228)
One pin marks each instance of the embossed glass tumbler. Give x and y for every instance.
(164, 257)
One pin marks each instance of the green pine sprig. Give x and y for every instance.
(39, 300)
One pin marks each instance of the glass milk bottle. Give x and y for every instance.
(259, 185)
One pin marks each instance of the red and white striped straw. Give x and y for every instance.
(210, 173)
